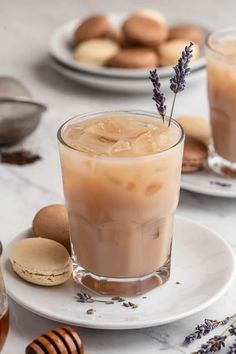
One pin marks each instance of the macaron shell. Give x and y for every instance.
(188, 32)
(52, 222)
(96, 51)
(170, 51)
(41, 261)
(42, 279)
(153, 14)
(97, 26)
(144, 31)
(134, 58)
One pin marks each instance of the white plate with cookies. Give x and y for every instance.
(116, 84)
(203, 268)
(108, 56)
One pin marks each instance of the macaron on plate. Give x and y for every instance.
(61, 54)
(194, 285)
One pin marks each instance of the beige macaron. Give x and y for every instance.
(134, 58)
(96, 51)
(144, 31)
(41, 261)
(196, 127)
(97, 26)
(150, 13)
(169, 52)
(187, 32)
(52, 222)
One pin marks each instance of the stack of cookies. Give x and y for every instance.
(143, 40)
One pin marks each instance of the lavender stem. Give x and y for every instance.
(172, 109)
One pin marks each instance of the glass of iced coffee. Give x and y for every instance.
(121, 175)
(221, 68)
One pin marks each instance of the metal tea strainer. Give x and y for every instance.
(19, 113)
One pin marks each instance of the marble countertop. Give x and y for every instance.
(25, 27)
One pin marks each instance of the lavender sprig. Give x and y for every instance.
(212, 345)
(178, 80)
(204, 328)
(158, 96)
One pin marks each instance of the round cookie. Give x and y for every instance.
(195, 154)
(196, 127)
(187, 32)
(41, 261)
(150, 13)
(134, 58)
(117, 35)
(97, 26)
(144, 31)
(52, 222)
(96, 51)
(170, 51)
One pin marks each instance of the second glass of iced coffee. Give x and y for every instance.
(221, 69)
(121, 174)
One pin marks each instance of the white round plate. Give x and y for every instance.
(203, 267)
(207, 182)
(60, 47)
(116, 84)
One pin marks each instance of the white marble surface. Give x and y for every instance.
(24, 30)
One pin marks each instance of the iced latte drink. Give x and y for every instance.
(121, 175)
(221, 68)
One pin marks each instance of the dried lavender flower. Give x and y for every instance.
(177, 81)
(91, 312)
(130, 305)
(84, 298)
(212, 345)
(232, 330)
(158, 96)
(204, 328)
(232, 348)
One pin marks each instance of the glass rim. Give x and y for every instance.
(216, 33)
(131, 111)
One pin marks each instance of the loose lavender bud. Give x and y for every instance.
(232, 349)
(178, 82)
(158, 96)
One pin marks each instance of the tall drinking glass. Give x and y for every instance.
(121, 176)
(221, 69)
(4, 314)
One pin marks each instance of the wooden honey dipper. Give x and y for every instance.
(62, 340)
